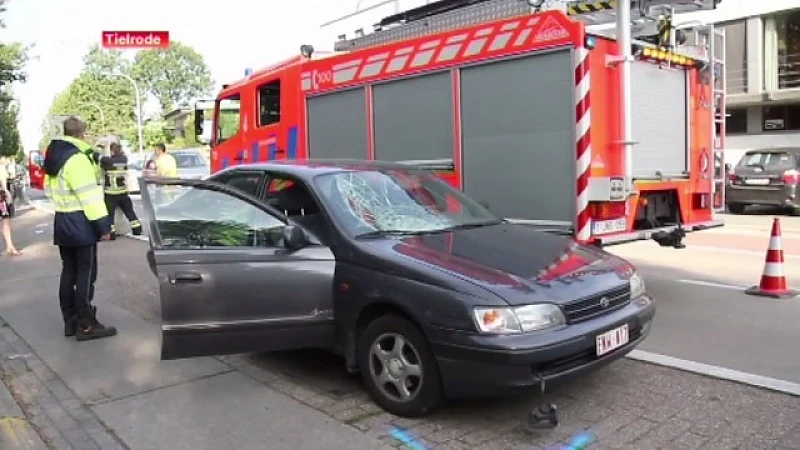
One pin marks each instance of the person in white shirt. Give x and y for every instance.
(5, 210)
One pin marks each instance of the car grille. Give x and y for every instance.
(590, 307)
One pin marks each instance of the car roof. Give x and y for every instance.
(773, 150)
(309, 168)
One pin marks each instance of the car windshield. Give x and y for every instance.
(379, 202)
(769, 160)
(186, 160)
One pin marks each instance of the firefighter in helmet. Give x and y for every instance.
(115, 187)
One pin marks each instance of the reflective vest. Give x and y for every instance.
(80, 211)
(91, 154)
(115, 174)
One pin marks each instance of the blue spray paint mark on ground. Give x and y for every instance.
(580, 441)
(401, 435)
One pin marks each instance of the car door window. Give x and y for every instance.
(191, 217)
(247, 182)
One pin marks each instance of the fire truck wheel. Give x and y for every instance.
(736, 208)
(398, 367)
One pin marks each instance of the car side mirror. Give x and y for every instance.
(294, 238)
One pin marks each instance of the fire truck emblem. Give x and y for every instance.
(319, 78)
(551, 31)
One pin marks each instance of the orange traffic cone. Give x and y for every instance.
(773, 281)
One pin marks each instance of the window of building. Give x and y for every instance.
(781, 117)
(269, 103)
(736, 121)
(787, 27)
(228, 117)
(736, 57)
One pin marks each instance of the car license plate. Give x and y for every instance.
(756, 181)
(612, 340)
(609, 226)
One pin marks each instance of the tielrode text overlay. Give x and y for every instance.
(135, 39)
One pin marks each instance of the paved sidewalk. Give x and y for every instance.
(116, 393)
(16, 432)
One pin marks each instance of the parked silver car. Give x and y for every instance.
(192, 165)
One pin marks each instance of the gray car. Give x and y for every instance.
(421, 289)
(191, 163)
(768, 176)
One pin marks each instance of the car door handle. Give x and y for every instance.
(185, 277)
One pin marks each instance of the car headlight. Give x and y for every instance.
(637, 285)
(514, 320)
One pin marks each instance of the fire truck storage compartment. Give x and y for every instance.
(518, 122)
(337, 125)
(659, 113)
(413, 118)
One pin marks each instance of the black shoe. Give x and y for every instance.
(70, 327)
(94, 330)
(113, 237)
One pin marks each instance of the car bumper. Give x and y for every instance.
(762, 195)
(477, 365)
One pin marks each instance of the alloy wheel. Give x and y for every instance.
(395, 367)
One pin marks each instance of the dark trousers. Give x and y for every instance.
(78, 275)
(123, 201)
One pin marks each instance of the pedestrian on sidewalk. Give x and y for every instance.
(81, 220)
(115, 177)
(5, 211)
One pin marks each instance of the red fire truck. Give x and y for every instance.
(604, 136)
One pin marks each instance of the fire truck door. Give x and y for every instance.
(659, 113)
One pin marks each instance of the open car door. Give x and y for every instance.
(233, 276)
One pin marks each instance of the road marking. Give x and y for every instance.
(738, 251)
(712, 284)
(751, 379)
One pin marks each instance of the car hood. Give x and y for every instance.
(517, 263)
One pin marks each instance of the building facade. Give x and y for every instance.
(763, 79)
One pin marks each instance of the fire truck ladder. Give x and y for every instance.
(713, 39)
(446, 15)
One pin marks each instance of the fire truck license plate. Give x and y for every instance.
(612, 340)
(609, 226)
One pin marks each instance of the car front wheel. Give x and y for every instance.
(398, 367)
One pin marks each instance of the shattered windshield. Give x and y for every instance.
(398, 202)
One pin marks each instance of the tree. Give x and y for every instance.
(106, 103)
(9, 131)
(174, 76)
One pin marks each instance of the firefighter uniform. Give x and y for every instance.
(81, 220)
(115, 188)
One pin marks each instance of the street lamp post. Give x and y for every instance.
(138, 106)
(102, 115)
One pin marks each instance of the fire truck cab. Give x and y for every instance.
(599, 135)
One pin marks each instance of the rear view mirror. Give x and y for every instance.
(294, 237)
(199, 125)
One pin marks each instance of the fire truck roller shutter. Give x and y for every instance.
(337, 125)
(413, 118)
(518, 133)
(659, 120)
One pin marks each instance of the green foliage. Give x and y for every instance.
(155, 132)
(9, 132)
(174, 75)
(13, 58)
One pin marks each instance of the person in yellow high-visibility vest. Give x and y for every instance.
(81, 220)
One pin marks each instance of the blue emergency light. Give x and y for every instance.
(248, 71)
